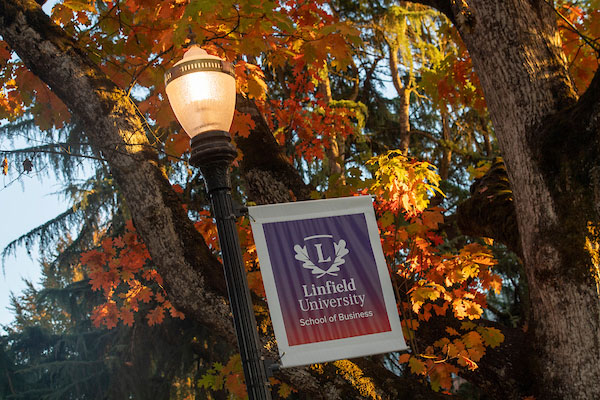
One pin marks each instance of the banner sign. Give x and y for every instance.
(326, 280)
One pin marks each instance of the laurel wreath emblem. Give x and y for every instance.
(340, 251)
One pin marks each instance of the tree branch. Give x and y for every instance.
(490, 211)
(269, 174)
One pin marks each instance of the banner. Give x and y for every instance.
(327, 283)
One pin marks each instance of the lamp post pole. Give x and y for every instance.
(201, 90)
(213, 153)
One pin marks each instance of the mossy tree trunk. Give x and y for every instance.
(548, 139)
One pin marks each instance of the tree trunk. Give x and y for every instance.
(404, 100)
(335, 156)
(516, 51)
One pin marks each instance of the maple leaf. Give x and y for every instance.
(159, 297)
(472, 339)
(404, 358)
(144, 294)
(177, 188)
(242, 124)
(440, 310)
(441, 376)
(420, 294)
(432, 218)
(156, 315)
(5, 166)
(93, 258)
(491, 336)
(105, 314)
(416, 366)
(177, 143)
(284, 391)
(5, 53)
(451, 331)
(126, 316)
(255, 283)
(176, 314)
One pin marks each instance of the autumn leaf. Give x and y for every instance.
(472, 339)
(416, 366)
(404, 358)
(93, 259)
(284, 390)
(156, 316)
(242, 124)
(452, 331)
(432, 218)
(177, 143)
(492, 337)
(126, 316)
(144, 294)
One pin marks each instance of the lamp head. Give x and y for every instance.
(201, 91)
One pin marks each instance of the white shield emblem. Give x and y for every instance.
(322, 266)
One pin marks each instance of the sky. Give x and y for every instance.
(25, 204)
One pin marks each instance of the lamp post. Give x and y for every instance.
(201, 90)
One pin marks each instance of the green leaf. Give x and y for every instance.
(491, 336)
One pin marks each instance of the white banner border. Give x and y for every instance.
(330, 350)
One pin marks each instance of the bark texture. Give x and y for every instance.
(551, 159)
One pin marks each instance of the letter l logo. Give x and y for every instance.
(320, 253)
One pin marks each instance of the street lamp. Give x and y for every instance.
(201, 90)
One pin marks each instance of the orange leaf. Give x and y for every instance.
(127, 316)
(93, 258)
(452, 331)
(156, 316)
(145, 294)
(177, 143)
(432, 219)
(403, 358)
(242, 124)
(472, 339)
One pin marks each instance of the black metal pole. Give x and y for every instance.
(213, 153)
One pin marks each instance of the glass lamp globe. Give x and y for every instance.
(201, 91)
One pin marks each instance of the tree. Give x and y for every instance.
(546, 134)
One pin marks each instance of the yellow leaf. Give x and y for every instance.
(416, 366)
(284, 390)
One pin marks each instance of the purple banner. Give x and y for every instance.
(326, 278)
